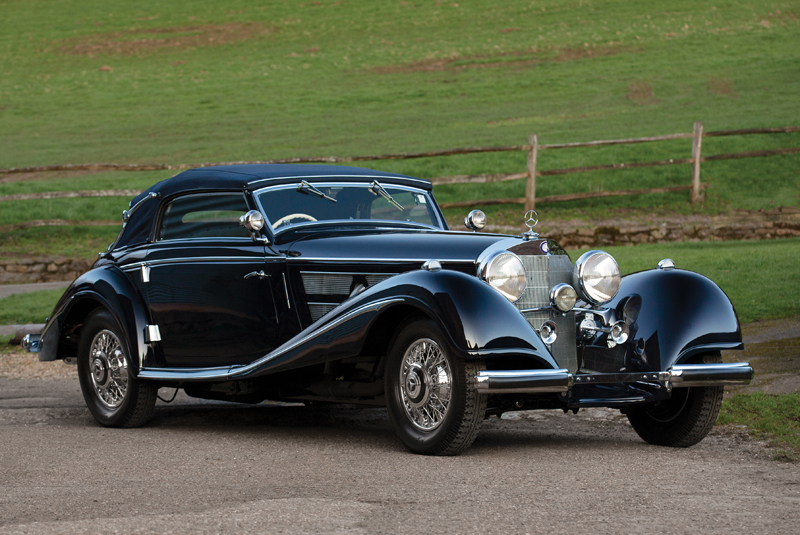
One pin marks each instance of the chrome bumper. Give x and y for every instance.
(32, 343)
(683, 376)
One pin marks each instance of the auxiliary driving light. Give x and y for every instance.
(563, 297)
(548, 332)
(620, 332)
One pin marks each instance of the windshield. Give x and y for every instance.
(303, 203)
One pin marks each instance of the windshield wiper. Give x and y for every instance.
(377, 189)
(305, 187)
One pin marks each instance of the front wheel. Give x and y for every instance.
(433, 404)
(115, 397)
(684, 419)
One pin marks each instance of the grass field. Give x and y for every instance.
(774, 418)
(209, 81)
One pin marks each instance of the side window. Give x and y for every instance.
(205, 215)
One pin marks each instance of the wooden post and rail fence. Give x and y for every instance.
(532, 149)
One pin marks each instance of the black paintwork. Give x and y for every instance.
(211, 316)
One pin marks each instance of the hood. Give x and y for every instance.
(393, 245)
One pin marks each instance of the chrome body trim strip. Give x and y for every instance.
(188, 259)
(286, 290)
(373, 260)
(233, 372)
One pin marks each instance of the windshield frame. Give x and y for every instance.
(377, 223)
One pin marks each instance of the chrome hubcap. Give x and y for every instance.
(425, 384)
(108, 368)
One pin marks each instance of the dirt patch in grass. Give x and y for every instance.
(721, 86)
(44, 175)
(142, 40)
(518, 59)
(641, 93)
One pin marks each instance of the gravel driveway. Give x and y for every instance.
(206, 467)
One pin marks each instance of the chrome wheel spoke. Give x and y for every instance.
(108, 369)
(425, 384)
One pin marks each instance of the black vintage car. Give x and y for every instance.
(336, 284)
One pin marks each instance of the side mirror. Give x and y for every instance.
(252, 221)
(475, 220)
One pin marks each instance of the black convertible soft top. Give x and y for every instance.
(245, 177)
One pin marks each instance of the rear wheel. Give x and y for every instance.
(685, 418)
(115, 397)
(431, 396)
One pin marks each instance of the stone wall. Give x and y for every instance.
(744, 225)
(42, 269)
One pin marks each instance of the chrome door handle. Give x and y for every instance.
(259, 274)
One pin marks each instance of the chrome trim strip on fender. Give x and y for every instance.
(233, 372)
(188, 259)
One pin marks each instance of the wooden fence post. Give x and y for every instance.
(530, 185)
(697, 141)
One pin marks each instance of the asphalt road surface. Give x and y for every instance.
(212, 467)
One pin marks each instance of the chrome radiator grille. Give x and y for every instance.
(544, 272)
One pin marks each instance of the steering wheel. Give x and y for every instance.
(285, 219)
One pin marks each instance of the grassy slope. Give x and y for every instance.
(304, 82)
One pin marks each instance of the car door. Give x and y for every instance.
(212, 289)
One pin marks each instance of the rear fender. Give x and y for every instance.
(678, 314)
(111, 289)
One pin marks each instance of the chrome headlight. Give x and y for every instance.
(504, 272)
(597, 276)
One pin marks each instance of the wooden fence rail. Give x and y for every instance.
(532, 148)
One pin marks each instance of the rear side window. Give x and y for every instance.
(205, 215)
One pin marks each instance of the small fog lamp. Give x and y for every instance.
(548, 332)
(563, 297)
(620, 332)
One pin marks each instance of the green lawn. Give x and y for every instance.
(756, 275)
(31, 307)
(204, 81)
(775, 418)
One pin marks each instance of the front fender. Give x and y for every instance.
(477, 321)
(678, 314)
(110, 288)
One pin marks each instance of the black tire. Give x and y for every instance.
(460, 421)
(685, 418)
(101, 375)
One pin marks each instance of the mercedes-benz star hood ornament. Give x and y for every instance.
(531, 220)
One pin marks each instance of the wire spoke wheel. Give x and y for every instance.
(425, 384)
(433, 404)
(109, 369)
(113, 393)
